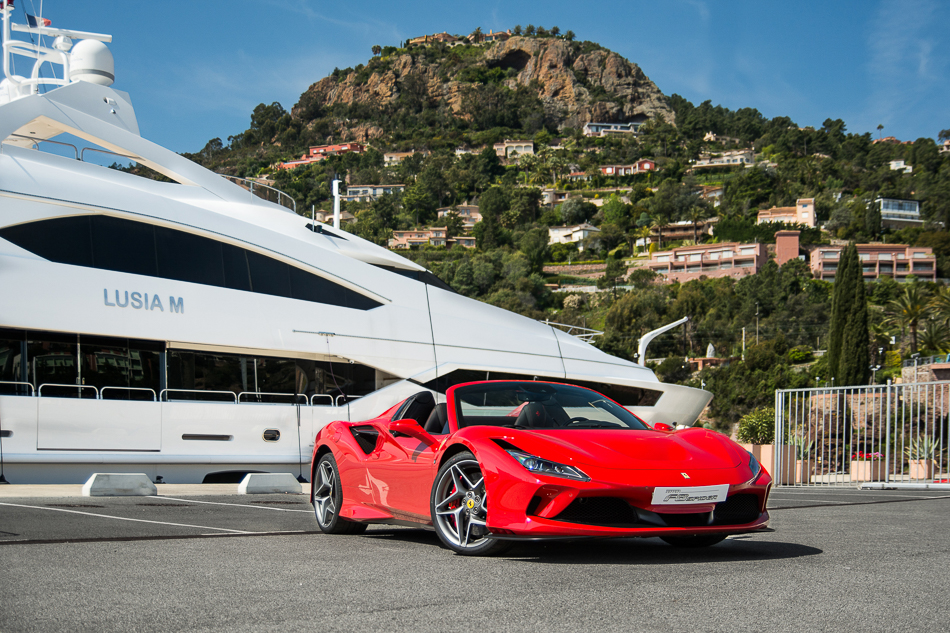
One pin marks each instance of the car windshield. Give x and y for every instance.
(539, 405)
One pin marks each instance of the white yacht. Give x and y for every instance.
(195, 332)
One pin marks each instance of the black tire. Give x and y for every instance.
(459, 508)
(327, 498)
(700, 540)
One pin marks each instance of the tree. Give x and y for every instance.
(848, 358)
(477, 35)
(529, 30)
(454, 225)
(614, 271)
(569, 36)
(880, 126)
(377, 49)
(555, 31)
(516, 30)
(534, 245)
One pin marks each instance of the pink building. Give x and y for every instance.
(436, 236)
(878, 260)
(786, 246)
(710, 260)
(638, 167)
(802, 213)
(320, 152)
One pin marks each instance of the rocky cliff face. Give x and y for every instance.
(575, 87)
(597, 86)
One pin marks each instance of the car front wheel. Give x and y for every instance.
(459, 506)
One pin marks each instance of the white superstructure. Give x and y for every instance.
(193, 331)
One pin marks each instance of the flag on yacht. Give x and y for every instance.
(35, 22)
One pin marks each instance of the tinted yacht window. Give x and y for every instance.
(64, 240)
(188, 257)
(139, 248)
(123, 246)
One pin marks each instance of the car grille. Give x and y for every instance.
(614, 511)
(599, 511)
(736, 510)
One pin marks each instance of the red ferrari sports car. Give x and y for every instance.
(508, 460)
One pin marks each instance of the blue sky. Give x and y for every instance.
(196, 70)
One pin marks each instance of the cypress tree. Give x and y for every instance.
(848, 359)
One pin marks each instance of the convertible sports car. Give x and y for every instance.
(508, 460)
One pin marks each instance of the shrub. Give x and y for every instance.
(757, 427)
(800, 354)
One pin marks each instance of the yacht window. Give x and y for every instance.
(627, 396)
(188, 257)
(424, 276)
(123, 246)
(108, 243)
(269, 276)
(236, 275)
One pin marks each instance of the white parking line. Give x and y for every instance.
(237, 505)
(106, 516)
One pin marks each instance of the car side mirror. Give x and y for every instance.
(662, 426)
(411, 428)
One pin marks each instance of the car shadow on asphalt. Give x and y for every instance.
(621, 551)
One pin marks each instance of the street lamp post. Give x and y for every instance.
(874, 369)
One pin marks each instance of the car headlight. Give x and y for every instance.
(755, 467)
(546, 467)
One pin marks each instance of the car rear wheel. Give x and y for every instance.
(702, 540)
(328, 497)
(459, 508)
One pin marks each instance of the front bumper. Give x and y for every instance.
(523, 505)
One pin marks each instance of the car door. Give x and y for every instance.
(404, 470)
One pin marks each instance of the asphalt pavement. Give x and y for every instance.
(839, 559)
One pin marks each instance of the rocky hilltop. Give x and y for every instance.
(576, 82)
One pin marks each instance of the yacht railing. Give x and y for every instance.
(78, 388)
(37, 141)
(585, 334)
(264, 192)
(25, 384)
(294, 397)
(82, 154)
(163, 396)
(102, 392)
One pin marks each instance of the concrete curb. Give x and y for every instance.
(903, 486)
(269, 483)
(119, 485)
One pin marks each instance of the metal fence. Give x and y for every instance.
(845, 436)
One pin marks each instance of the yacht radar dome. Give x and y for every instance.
(92, 61)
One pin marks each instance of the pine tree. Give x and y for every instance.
(848, 359)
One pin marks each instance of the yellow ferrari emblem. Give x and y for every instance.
(470, 503)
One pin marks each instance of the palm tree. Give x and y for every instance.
(908, 309)
(555, 31)
(477, 34)
(940, 304)
(935, 336)
(569, 36)
(696, 214)
(377, 49)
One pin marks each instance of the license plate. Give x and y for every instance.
(689, 495)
